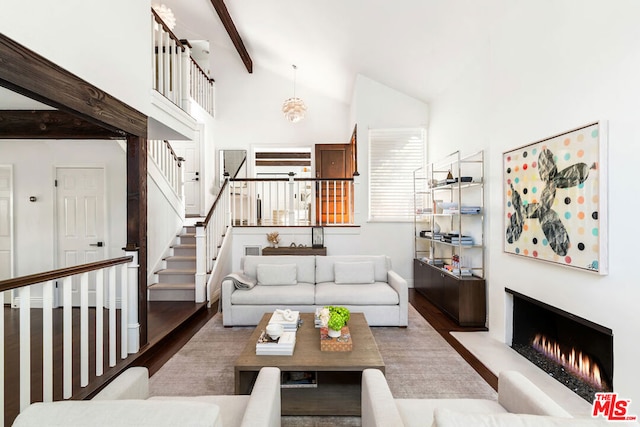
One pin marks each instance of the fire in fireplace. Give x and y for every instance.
(576, 362)
(573, 350)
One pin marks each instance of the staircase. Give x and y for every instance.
(176, 282)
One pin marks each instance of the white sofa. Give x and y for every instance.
(126, 402)
(520, 403)
(364, 283)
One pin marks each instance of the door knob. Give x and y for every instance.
(99, 244)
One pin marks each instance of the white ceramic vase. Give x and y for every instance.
(333, 333)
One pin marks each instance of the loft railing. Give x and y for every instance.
(291, 201)
(202, 88)
(268, 202)
(168, 163)
(66, 341)
(176, 75)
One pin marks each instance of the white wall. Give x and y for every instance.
(34, 165)
(249, 109)
(86, 37)
(374, 106)
(554, 66)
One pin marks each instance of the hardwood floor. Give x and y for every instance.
(171, 325)
(444, 324)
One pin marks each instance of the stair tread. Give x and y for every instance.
(177, 271)
(181, 257)
(184, 246)
(173, 286)
(187, 235)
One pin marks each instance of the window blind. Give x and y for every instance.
(394, 154)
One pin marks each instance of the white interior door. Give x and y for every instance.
(80, 206)
(6, 226)
(190, 152)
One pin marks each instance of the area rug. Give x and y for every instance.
(419, 364)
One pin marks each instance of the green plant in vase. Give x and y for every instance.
(338, 317)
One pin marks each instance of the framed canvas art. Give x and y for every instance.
(555, 199)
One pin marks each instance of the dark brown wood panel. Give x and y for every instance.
(50, 124)
(137, 219)
(333, 161)
(283, 162)
(290, 250)
(463, 298)
(34, 76)
(282, 155)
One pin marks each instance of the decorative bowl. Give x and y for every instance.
(274, 330)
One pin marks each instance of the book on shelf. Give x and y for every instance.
(282, 346)
(289, 319)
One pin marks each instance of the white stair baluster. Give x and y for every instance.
(67, 338)
(112, 316)
(99, 322)
(84, 329)
(25, 347)
(47, 341)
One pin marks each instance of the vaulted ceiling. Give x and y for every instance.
(418, 47)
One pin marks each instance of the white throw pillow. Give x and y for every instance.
(354, 272)
(277, 274)
(443, 417)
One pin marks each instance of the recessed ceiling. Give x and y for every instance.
(418, 47)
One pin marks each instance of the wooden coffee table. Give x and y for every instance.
(338, 374)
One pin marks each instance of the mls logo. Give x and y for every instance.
(610, 407)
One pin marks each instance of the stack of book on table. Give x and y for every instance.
(282, 346)
(289, 319)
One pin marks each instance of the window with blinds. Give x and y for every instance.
(394, 154)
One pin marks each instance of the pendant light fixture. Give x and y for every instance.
(293, 108)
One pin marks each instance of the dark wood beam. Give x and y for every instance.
(282, 155)
(223, 13)
(34, 76)
(50, 124)
(137, 220)
(283, 162)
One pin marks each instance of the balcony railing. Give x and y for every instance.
(101, 320)
(176, 75)
(290, 202)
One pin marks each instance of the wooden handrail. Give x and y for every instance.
(210, 214)
(17, 282)
(167, 29)
(209, 79)
(287, 179)
(177, 158)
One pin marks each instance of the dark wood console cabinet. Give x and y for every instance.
(462, 298)
(291, 250)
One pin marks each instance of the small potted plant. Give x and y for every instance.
(338, 317)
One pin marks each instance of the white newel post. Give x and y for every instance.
(201, 263)
(133, 324)
(185, 57)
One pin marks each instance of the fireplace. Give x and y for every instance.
(575, 351)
